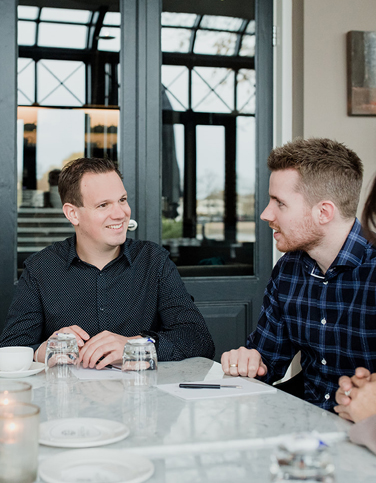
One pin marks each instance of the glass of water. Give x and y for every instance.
(140, 361)
(61, 355)
(302, 457)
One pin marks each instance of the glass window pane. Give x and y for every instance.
(212, 89)
(214, 43)
(245, 178)
(26, 81)
(109, 39)
(27, 12)
(26, 33)
(175, 40)
(247, 48)
(62, 35)
(65, 15)
(246, 91)
(178, 19)
(61, 83)
(210, 182)
(221, 23)
(251, 28)
(112, 18)
(175, 83)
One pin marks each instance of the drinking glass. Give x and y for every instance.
(140, 361)
(19, 434)
(14, 391)
(302, 457)
(61, 355)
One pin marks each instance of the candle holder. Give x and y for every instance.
(14, 392)
(19, 434)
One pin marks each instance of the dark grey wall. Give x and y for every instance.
(8, 136)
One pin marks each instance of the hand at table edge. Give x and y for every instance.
(243, 362)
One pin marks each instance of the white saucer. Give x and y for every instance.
(95, 466)
(35, 368)
(81, 432)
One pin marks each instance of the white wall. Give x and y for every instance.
(324, 109)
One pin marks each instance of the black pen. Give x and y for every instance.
(205, 386)
(110, 366)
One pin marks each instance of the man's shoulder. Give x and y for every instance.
(145, 248)
(49, 256)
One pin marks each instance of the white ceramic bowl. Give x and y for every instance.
(15, 358)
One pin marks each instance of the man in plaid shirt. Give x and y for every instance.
(321, 298)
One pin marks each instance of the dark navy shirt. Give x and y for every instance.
(330, 318)
(141, 290)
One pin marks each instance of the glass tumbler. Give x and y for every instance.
(14, 391)
(61, 355)
(19, 434)
(140, 361)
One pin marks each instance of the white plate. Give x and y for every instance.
(95, 466)
(81, 432)
(35, 368)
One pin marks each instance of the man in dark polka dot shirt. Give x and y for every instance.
(100, 286)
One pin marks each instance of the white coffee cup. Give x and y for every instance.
(15, 359)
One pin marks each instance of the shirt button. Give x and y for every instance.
(325, 283)
(323, 362)
(327, 396)
(101, 309)
(323, 321)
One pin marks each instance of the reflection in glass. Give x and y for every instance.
(212, 89)
(30, 13)
(112, 18)
(175, 40)
(62, 35)
(246, 91)
(26, 33)
(109, 39)
(65, 15)
(61, 83)
(221, 23)
(175, 83)
(26, 81)
(247, 48)
(178, 19)
(251, 28)
(215, 43)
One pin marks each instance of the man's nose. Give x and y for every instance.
(267, 214)
(118, 211)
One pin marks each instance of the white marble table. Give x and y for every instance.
(213, 440)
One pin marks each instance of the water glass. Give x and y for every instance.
(302, 457)
(14, 391)
(19, 434)
(61, 355)
(140, 361)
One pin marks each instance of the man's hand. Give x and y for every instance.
(243, 362)
(106, 345)
(356, 396)
(80, 334)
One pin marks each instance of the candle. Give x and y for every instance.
(14, 392)
(19, 434)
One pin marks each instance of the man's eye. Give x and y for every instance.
(123, 200)
(103, 205)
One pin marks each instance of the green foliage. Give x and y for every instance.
(171, 228)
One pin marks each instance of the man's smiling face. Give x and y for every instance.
(103, 219)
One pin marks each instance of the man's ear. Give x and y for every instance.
(70, 212)
(326, 211)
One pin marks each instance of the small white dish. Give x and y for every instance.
(81, 432)
(95, 466)
(35, 368)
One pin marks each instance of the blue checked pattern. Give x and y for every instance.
(331, 319)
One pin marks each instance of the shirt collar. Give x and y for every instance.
(72, 253)
(350, 255)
